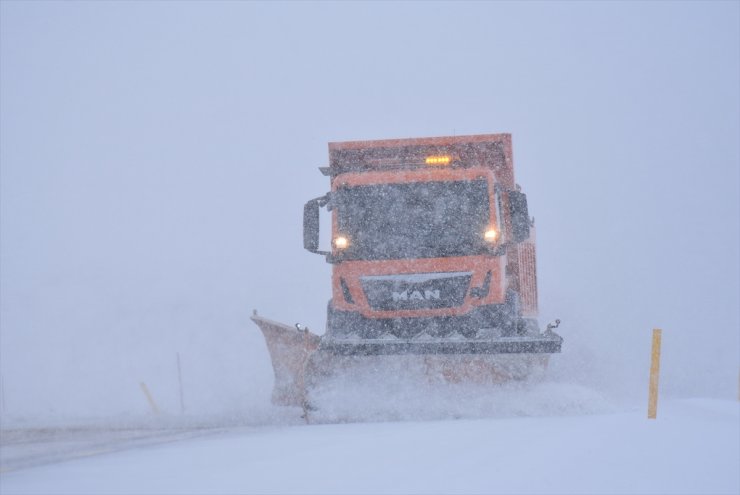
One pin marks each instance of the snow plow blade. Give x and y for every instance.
(289, 350)
(301, 360)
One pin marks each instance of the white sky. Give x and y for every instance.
(155, 157)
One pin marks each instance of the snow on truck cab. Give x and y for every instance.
(432, 253)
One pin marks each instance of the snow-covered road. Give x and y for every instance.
(693, 448)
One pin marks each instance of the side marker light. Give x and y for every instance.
(438, 160)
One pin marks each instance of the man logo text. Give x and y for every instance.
(415, 295)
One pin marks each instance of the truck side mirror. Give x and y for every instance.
(519, 215)
(311, 224)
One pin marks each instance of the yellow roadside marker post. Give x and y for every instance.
(149, 397)
(654, 372)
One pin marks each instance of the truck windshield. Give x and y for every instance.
(413, 220)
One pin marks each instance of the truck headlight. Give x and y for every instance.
(490, 235)
(341, 242)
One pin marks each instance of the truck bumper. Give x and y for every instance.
(488, 330)
(541, 344)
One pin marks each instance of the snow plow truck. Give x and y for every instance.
(433, 262)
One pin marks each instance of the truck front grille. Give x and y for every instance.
(416, 290)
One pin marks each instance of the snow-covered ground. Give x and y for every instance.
(693, 448)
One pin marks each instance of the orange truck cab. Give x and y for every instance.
(432, 249)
